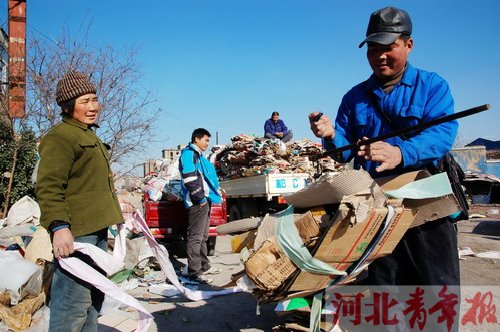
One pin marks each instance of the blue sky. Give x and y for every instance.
(227, 64)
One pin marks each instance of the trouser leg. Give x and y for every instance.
(197, 235)
(74, 303)
(205, 262)
(287, 137)
(426, 256)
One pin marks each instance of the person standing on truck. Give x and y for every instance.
(200, 188)
(276, 128)
(395, 96)
(77, 198)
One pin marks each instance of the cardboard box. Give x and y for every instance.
(360, 222)
(346, 242)
(342, 252)
(268, 266)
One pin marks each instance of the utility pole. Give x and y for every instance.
(17, 58)
(16, 92)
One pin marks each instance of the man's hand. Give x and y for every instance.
(62, 243)
(204, 203)
(278, 134)
(387, 155)
(322, 128)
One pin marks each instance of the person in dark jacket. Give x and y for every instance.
(200, 188)
(77, 198)
(276, 128)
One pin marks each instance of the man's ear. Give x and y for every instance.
(409, 44)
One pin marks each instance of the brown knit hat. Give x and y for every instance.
(73, 85)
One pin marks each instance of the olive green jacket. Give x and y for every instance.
(74, 181)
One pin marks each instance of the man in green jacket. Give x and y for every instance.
(77, 199)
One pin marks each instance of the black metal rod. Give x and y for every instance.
(408, 130)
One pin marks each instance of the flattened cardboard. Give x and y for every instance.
(429, 209)
(306, 281)
(402, 221)
(345, 242)
(331, 188)
(308, 228)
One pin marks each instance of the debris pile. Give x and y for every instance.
(166, 184)
(350, 220)
(248, 155)
(25, 250)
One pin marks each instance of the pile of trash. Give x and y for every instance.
(25, 250)
(248, 155)
(350, 220)
(166, 184)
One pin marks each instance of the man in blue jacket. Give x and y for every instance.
(276, 128)
(200, 188)
(396, 96)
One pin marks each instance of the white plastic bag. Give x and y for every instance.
(21, 271)
(23, 211)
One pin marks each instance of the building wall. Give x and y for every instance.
(471, 159)
(149, 166)
(493, 167)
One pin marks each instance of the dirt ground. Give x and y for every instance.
(481, 235)
(237, 312)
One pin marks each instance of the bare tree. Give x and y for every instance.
(460, 141)
(128, 110)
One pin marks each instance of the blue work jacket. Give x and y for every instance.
(419, 96)
(199, 179)
(273, 128)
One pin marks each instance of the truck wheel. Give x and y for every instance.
(211, 245)
(234, 212)
(250, 209)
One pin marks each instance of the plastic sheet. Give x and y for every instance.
(24, 269)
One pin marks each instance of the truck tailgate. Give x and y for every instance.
(268, 185)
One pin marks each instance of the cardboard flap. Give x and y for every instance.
(396, 181)
(330, 188)
(429, 209)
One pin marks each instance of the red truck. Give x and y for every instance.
(168, 221)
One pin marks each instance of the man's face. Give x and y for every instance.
(388, 60)
(86, 109)
(202, 143)
(275, 118)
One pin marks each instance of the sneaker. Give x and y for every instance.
(212, 270)
(203, 279)
(188, 281)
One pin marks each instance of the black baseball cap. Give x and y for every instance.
(386, 25)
